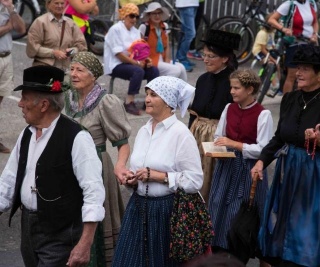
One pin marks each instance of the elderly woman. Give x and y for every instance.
(165, 157)
(117, 61)
(105, 118)
(289, 235)
(53, 38)
(155, 32)
(212, 94)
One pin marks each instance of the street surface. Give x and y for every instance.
(12, 123)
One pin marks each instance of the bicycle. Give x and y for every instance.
(270, 68)
(243, 26)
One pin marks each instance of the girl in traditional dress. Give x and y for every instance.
(245, 127)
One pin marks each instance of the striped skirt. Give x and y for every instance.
(140, 243)
(231, 184)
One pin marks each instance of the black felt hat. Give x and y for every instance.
(222, 39)
(46, 79)
(307, 54)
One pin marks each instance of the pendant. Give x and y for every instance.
(34, 189)
(304, 106)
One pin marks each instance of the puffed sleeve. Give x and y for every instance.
(189, 175)
(264, 134)
(114, 120)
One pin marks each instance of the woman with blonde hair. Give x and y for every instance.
(53, 37)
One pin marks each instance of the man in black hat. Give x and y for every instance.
(9, 20)
(54, 174)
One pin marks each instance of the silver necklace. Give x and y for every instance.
(306, 103)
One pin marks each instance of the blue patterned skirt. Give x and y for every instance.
(230, 186)
(132, 250)
(291, 227)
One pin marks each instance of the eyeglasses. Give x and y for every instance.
(210, 56)
(156, 13)
(132, 16)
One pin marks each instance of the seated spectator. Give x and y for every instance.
(65, 37)
(155, 32)
(117, 61)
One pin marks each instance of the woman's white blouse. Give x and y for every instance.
(172, 149)
(118, 39)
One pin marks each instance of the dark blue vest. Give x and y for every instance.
(59, 197)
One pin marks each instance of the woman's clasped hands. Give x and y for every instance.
(131, 178)
(311, 133)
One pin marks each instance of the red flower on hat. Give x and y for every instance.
(56, 86)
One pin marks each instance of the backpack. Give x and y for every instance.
(139, 50)
(287, 19)
(147, 32)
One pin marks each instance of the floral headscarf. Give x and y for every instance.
(90, 61)
(128, 9)
(173, 91)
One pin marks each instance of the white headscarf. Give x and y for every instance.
(173, 91)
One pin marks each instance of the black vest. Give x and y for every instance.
(59, 196)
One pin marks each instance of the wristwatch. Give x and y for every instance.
(165, 181)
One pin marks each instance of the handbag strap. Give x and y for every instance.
(62, 32)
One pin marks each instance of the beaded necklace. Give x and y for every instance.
(144, 212)
(307, 144)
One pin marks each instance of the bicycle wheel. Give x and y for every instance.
(247, 38)
(99, 29)
(220, 21)
(28, 13)
(269, 70)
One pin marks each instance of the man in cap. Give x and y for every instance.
(9, 20)
(54, 174)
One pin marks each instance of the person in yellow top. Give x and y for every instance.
(263, 43)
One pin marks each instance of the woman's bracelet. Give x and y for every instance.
(138, 62)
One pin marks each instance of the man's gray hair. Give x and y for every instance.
(56, 100)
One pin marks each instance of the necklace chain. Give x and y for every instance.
(306, 103)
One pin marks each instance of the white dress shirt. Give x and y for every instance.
(264, 132)
(172, 149)
(118, 40)
(86, 164)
